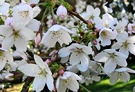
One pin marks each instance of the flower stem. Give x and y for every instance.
(84, 88)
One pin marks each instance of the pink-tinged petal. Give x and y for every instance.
(50, 82)
(131, 48)
(34, 25)
(27, 34)
(2, 63)
(20, 44)
(5, 30)
(101, 57)
(113, 77)
(109, 66)
(74, 58)
(7, 42)
(38, 84)
(30, 69)
(125, 77)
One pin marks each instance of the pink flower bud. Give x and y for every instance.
(38, 39)
(9, 21)
(95, 42)
(48, 61)
(61, 12)
(61, 71)
(55, 75)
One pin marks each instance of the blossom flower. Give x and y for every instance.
(5, 57)
(122, 74)
(13, 36)
(120, 27)
(61, 12)
(56, 33)
(79, 54)
(91, 13)
(80, 6)
(67, 80)
(125, 44)
(107, 21)
(106, 35)
(111, 58)
(41, 72)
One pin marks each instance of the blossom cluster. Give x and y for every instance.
(69, 47)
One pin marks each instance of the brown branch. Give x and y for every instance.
(26, 86)
(78, 16)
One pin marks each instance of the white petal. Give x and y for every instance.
(121, 61)
(74, 58)
(131, 39)
(5, 30)
(20, 44)
(49, 81)
(87, 50)
(114, 77)
(2, 64)
(125, 77)
(4, 8)
(84, 60)
(1, 2)
(109, 66)
(42, 64)
(64, 38)
(64, 59)
(34, 25)
(29, 69)
(82, 68)
(36, 9)
(8, 42)
(8, 56)
(27, 33)
(124, 51)
(117, 45)
(38, 84)
(64, 52)
(131, 48)
(101, 57)
(74, 86)
(60, 87)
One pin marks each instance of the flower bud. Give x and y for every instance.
(38, 39)
(61, 71)
(61, 12)
(48, 61)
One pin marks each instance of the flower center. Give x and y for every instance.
(24, 13)
(66, 82)
(133, 28)
(42, 72)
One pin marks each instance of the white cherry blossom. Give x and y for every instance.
(67, 80)
(56, 33)
(79, 55)
(106, 35)
(122, 74)
(111, 58)
(5, 57)
(41, 72)
(125, 43)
